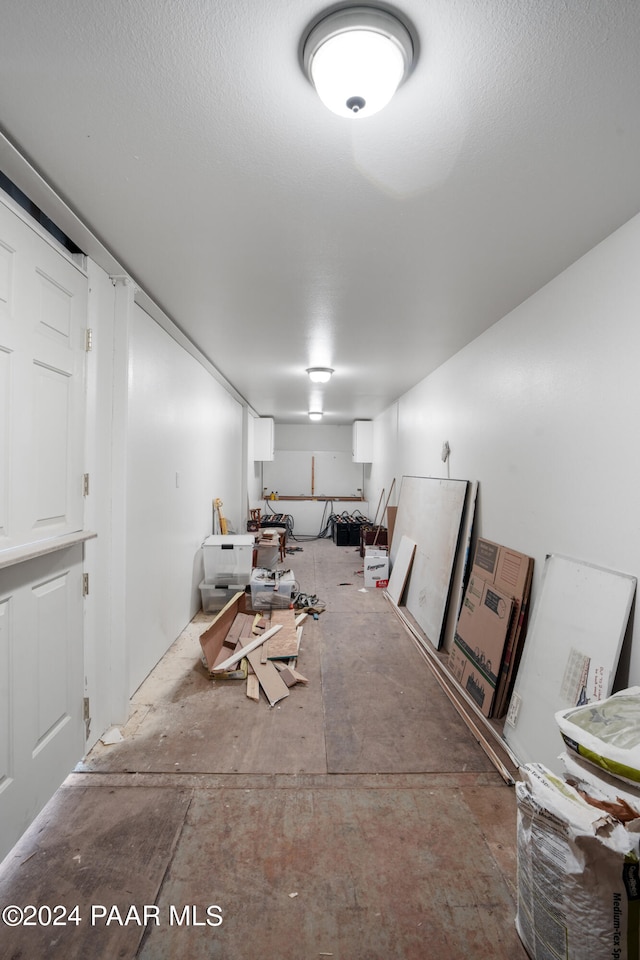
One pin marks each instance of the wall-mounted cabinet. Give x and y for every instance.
(263, 438)
(362, 447)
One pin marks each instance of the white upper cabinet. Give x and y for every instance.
(263, 438)
(362, 445)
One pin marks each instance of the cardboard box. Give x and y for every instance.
(511, 572)
(376, 567)
(216, 644)
(483, 627)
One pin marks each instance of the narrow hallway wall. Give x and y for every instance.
(184, 448)
(542, 410)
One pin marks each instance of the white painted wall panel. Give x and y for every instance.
(542, 410)
(184, 448)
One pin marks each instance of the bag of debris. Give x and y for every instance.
(606, 733)
(600, 789)
(578, 874)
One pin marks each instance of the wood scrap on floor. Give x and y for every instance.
(240, 645)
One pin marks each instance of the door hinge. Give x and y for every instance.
(85, 584)
(86, 716)
(85, 484)
(88, 339)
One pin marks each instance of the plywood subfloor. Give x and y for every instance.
(362, 793)
(90, 850)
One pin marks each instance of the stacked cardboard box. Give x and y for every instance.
(491, 626)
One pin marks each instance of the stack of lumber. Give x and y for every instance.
(261, 648)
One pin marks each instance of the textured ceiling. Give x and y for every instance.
(278, 236)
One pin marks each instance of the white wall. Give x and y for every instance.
(105, 674)
(318, 453)
(313, 436)
(542, 410)
(184, 448)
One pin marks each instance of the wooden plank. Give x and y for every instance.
(239, 654)
(286, 673)
(274, 687)
(214, 637)
(286, 643)
(235, 631)
(298, 675)
(253, 687)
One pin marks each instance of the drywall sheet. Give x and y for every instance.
(461, 568)
(401, 568)
(570, 655)
(430, 513)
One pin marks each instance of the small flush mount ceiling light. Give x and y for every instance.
(319, 374)
(315, 415)
(356, 58)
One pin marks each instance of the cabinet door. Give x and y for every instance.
(263, 438)
(363, 441)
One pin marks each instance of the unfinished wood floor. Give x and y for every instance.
(357, 819)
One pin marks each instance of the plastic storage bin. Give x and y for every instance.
(271, 588)
(215, 598)
(228, 559)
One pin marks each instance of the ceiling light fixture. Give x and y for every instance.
(315, 415)
(356, 58)
(319, 374)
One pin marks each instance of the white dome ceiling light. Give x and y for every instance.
(356, 58)
(315, 415)
(319, 374)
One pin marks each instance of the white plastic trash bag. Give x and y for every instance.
(578, 874)
(606, 733)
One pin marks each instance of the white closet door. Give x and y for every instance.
(43, 315)
(41, 685)
(43, 309)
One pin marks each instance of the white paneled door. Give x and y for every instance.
(43, 310)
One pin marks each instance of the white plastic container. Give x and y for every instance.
(271, 588)
(228, 559)
(215, 598)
